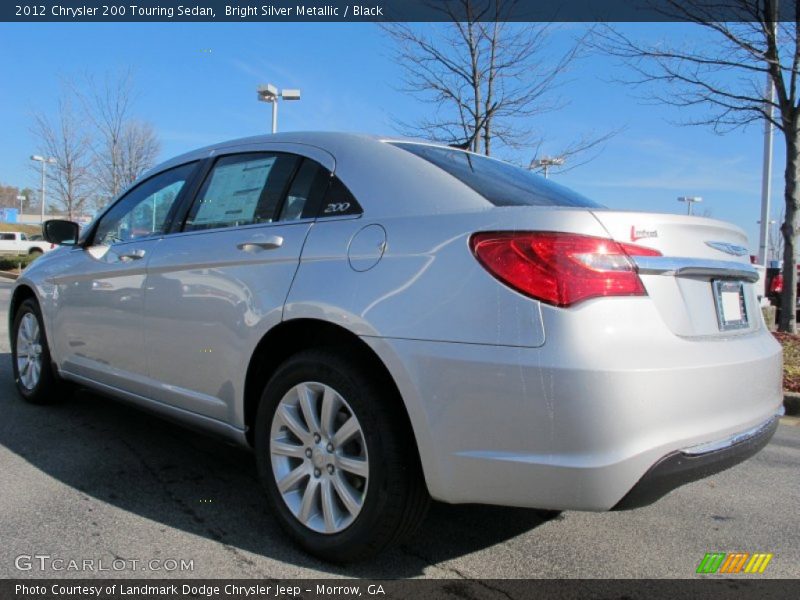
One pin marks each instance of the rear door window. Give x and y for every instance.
(242, 189)
(499, 182)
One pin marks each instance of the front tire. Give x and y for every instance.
(30, 353)
(337, 457)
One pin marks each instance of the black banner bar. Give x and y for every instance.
(747, 587)
(389, 10)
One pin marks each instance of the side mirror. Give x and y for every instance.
(59, 231)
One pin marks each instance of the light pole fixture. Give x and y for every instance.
(690, 200)
(270, 93)
(766, 168)
(45, 162)
(546, 162)
(766, 237)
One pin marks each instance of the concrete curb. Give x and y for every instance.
(791, 402)
(8, 275)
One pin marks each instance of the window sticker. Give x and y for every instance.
(234, 191)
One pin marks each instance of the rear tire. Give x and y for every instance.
(30, 354)
(380, 496)
(35, 251)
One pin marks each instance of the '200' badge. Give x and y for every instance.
(337, 207)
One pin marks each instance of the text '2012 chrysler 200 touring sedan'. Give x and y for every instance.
(386, 321)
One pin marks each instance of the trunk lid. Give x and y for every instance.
(703, 285)
(676, 235)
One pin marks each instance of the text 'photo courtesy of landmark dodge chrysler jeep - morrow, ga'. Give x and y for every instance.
(387, 321)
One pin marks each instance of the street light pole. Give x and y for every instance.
(45, 162)
(766, 172)
(269, 93)
(690, 200)
(770, 223)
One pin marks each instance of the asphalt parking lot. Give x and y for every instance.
(91, 479)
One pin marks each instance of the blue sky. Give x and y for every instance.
(197, 84)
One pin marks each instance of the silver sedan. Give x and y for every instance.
(386, 321)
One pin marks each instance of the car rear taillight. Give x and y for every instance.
(776, 285)
(561, 268)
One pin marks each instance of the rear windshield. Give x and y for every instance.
(501, 183)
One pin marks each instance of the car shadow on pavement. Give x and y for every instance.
(188, 481)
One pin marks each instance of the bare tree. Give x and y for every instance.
(725, 75)
(485, 78)
(139, 150)
(65, 138)
(8, 196)
(30, 198)
(123, 148)
(99, 147)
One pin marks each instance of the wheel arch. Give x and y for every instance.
(21, 293)
(292, 336)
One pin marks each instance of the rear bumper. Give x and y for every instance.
(577, 423)
(691, 464)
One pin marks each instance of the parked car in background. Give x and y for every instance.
(17, 243)
(384, 321)
(773, 284)
(774, 287)
(761, 285)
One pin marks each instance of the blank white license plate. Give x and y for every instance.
(731, 308)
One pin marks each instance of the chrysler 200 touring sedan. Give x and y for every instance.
(386, 321)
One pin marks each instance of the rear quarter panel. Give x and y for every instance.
(427, 285)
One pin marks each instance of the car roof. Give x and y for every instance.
(327, 140)
(386, 180)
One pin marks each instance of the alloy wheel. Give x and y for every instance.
(29, 351)
(319, 457)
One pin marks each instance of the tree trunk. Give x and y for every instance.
(487, 128)
(476, 90)
(789, 229)
(475, 79)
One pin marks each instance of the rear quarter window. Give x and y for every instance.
(501, 183)
(306, 192)
(339, 201)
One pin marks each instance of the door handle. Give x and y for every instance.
(270, 243)
(132, 255)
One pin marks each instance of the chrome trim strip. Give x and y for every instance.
(695, 267)
(707, 447)
(743, 322)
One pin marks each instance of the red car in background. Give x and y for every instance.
(774, 287)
